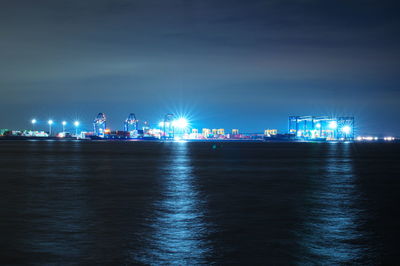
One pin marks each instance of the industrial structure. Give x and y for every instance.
(168, 127)
(99, 124)
(131, 123)
(321, 127)
(171, 127)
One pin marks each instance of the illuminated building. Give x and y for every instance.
(270, 132)
(206, 132)
(322, 127)
(235, 131)
(221, 131)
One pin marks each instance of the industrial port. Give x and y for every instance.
(173, 128)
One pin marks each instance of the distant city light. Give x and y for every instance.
(33, 121)
(333, 125)
(346, 129)
(388, 138)
(370, 138)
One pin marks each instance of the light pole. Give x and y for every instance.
(50, 122)
(33, 124)
(76, 124)
(63, 125)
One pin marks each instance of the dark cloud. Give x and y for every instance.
(255, 60)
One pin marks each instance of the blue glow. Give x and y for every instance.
(334, 219)
(178, 224)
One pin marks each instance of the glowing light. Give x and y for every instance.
(33, 121)
(76, 123)
(333, 125)
(318, 125)
(346, 129)
(64, 123)
(50, 122)
(180, 123)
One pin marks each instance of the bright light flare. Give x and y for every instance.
(64, 123)
(33, 121)
(76, 123)
(180, 123)
(346, 129)
(50, 122)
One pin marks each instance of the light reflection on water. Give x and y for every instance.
(179, 230)
(332, 230)
(120, 203)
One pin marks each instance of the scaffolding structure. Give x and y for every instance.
(321, 127)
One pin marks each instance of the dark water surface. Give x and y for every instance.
(188, 203)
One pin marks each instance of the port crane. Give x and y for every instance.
(99, 124)
(131, 123)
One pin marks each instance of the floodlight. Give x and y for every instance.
(333, 125)
(180, 123)
(346, 129)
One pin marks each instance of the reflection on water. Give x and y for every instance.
(118, 203)
(179, 228)
(334, 217)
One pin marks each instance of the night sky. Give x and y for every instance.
(226, 64)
